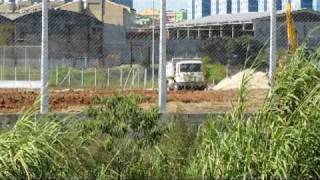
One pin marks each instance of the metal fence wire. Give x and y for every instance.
(102, 44)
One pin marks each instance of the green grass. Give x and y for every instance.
(213, 72)
(279, 142)
(117, 139)
(89, 80)
(20, 73)
(217, 72)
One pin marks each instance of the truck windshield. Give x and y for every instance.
(190, 67)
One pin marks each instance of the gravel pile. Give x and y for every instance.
(259, 80)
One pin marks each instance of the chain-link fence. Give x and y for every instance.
(101, 44)
(20, 63)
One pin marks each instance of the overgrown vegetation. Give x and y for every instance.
(233, 51)
(212, 72)
(280, 141)
(120, 140)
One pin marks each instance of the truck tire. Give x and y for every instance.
(176, 87)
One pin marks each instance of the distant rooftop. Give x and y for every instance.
(13, 16)
(241, 18)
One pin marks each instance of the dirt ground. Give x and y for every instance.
(13, 101)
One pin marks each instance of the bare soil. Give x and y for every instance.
(14, 101)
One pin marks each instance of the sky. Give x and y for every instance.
(139, 5)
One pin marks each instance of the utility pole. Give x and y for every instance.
(44, 108)
(273, 42)
(153, 46)
(131, 55)
(162, 60)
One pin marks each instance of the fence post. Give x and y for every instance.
(145, 78)
(108, 81)
(25, 62)
(82, 77)
(162, 60)
(138, 73)
(44, 108)
(85, 62)
(69, 77)
(57, 75)
(153, 47)
(29, 73)
(15, 72)
(273, 41)
(121, 74)
(133, 78)
(1, 74)
(95, 77)
(3, 59)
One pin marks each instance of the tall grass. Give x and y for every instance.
(38, 149)
(281, 141)
(109, 144)
(120, 140)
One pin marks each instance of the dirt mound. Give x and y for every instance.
(68, 100)
(258, 80)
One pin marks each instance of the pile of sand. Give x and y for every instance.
(258, 80)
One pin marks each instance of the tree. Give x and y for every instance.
(226, 50)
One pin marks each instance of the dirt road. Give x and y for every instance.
(13, 101)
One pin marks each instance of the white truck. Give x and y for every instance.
(185, 73)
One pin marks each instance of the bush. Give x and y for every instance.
(171, 158)
(123, 132)
(120, 140)
(234, 51)
(109, 144)
(280, 142)
(212, 71)
(120, 116)
(40, 149)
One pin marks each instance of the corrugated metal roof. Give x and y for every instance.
(13, 16)
(224, 19)
(240, 18)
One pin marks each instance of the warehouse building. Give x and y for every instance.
(71, 35)
(254, 24)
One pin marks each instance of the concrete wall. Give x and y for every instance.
(74, 6)
(110, 13)
(71, 35)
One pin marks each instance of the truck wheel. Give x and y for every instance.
(176, 87)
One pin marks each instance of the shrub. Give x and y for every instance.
(39, 149)
(281, 141)
(121, 115)
(123, 131)
(170, 159)
(212, 71)
(234, 51)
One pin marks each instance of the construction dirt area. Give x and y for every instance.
(17, 101)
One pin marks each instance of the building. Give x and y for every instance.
(191, 9)
(6, 31)
(71, 36)
(316, 5)
(188, 35)
(202, 8)
(117, 18)
(245, 6)
(181, 15)
(199, 8)
(71, 30)
(152, 13)
(171, 17)
(128, 3)
(142, 21)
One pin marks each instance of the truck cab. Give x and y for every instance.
(184, 73)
